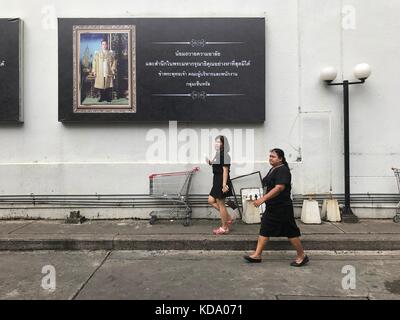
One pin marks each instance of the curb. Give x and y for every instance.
(377, 242)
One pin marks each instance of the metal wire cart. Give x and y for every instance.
(396, 171)
(173, 188)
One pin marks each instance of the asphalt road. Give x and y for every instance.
(197, 275)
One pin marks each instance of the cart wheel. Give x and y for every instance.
(396, 218)
(186, 223)
(153, 220)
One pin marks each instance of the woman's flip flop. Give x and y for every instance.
(220, 230)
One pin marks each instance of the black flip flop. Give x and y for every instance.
(252, 260)
(302, 263)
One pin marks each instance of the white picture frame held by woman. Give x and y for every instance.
(251, 214)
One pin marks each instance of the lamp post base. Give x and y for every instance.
(348, 216)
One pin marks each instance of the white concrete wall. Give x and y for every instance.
(44, 156)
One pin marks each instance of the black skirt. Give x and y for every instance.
(216, 190)
(278, 221)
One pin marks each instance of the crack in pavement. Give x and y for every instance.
(21, 227)
(90, 277)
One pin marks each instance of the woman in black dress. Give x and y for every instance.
(278, 218)
(222, 185)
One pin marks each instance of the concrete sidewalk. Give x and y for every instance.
(172, 235)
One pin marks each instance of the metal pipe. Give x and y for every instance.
(347, 209)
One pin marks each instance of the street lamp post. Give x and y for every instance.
(362, 72)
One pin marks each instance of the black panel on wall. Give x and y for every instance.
(161, 69)
(11, 70)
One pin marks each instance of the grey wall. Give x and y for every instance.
(46, 157)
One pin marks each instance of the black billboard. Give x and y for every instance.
(11, 38)
(162, 69)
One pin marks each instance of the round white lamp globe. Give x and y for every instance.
(328, 74)
(362, 71)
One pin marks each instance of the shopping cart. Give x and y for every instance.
(173, 188)
(396, 171)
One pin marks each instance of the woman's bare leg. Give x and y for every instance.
(225, 217)
(296, 243)
(262, 241)
(213, 202)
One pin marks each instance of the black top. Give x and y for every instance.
(221, 160)
(279, 175)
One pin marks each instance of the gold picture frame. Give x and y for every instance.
(122, 87)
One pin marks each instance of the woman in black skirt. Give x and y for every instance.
(222, 185)
(278, 218)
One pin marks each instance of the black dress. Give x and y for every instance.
(278, 218)
(220, 160)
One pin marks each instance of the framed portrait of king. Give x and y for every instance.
(104, 69)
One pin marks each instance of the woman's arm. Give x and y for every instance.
(270, 195)
(225, 187)
(208, 161)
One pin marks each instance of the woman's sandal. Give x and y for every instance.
(302, 263)
(252, 260)
(230, 222)
(220, 230)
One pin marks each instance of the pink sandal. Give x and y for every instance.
(220, 230)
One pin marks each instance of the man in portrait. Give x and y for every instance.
(104, 69)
